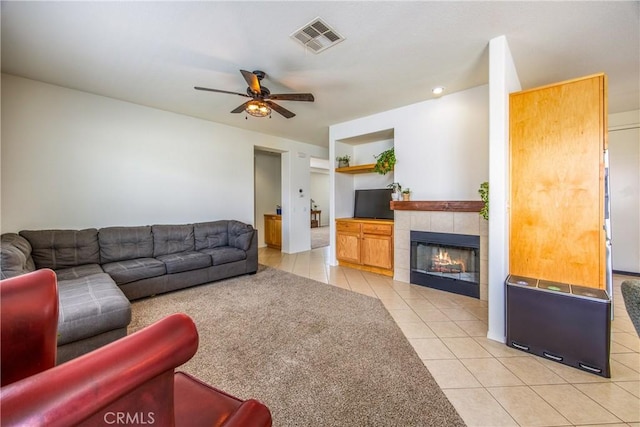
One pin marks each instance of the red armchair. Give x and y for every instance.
(130, 381)
(29, 325)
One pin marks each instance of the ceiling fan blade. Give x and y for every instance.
(221, 91)
(286, 113)
(252, 81)
(292, 97)
(240, 108)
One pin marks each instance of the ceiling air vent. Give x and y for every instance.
(317, 36)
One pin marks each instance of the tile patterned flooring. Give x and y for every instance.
(489, 383)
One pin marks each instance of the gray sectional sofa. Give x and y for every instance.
(100, 271)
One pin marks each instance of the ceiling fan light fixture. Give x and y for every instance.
(258, 109)
(262, 103)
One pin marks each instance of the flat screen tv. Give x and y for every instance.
(373, 204)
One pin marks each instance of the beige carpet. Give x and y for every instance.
(319, 237)
(315, 354)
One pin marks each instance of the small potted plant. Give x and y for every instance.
(385, 161)
(396, 189)
(343, 161)
(484, 196)
(406, 194)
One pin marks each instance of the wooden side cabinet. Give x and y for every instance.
(273, 231)
(558, 134)
(365, 244)
(348, 241)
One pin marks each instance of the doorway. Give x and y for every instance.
(319, 202)
(268, 188)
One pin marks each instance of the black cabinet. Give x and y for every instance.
(566, 323)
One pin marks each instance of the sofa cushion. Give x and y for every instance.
(225, 254)
(57, 249)
(15, 253)
(79, 271)
(89, 306)
(240, 235)
(211, 234)
(169, 239)
(130, 270)
(185, 261)
(124, 243)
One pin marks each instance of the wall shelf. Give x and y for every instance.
(357, 169)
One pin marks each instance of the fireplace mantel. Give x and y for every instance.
(439, 205)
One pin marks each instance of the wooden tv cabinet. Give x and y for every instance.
(365, 244)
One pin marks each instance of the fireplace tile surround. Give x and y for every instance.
(438, 222)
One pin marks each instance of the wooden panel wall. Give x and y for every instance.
(558, 134)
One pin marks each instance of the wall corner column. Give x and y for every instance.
(503, 79)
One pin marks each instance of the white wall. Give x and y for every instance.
(71, 159)
(624, 167)
(441, 147)
(503, 79)
(443, 152)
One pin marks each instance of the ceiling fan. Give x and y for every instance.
(261, 102)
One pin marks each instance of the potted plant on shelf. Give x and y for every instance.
(406, 194)
(396, 189)
(385, 161)
(343, 161)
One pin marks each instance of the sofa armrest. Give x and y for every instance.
(252, 254)
(133, 374)
(251, 413)
(29, 319)
(240, 234)
(15, 256)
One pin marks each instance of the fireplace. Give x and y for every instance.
(449, 262)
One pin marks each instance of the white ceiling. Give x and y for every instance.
(153, 53)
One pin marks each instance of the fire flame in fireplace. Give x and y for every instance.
(442, 263)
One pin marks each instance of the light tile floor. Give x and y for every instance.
(489, 383)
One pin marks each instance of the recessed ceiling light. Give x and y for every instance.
(438, 90)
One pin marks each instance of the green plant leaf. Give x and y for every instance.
(385, 161)
(484, 196)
